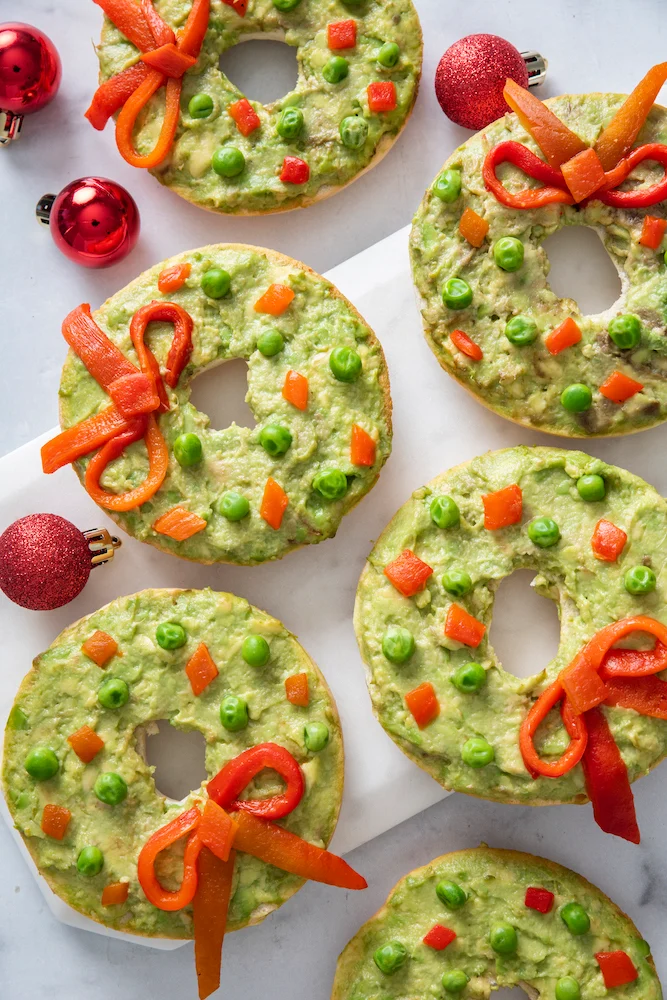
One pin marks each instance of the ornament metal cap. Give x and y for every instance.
(10, 126)
(102, 545)
(44, 206)
(537, 66)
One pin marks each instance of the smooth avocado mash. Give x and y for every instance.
(499, 295)
(331, 122)
(465, 732)
(114, 804)
(483, 919)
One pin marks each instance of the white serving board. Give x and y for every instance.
(437, 424)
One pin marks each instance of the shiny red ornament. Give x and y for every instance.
(30, 74)
(470, 78)
(94, 221)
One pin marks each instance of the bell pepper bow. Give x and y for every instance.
(236, 775)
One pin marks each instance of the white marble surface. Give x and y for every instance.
(591, 44)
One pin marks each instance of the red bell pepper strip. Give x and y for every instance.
(553, 191)
(102, 358)
(558, 143)
(158, 458)
(607, 541)
(160, 30)
(130, 19)
(574, 726)
(423, 704)
(228, 784)
(653, 231)
(639, 197)
(216, 830)
(503, 508)
(439, 937)
(130, 112)
(617, 138)
(607, 781)
(616, 968)
(634, 662)
(81, 439)
(191, 38)
(465, 345)
(561, 337)
(646, 695)
(163, 838)
(210, 907)
(540, 900)
(169, 60)
(135, 394)
(462, 627)
(408, 573)
(619, 387)
(111, 95)
(181, 345)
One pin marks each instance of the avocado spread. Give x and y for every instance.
(114, 804)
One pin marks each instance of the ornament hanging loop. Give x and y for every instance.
(102, 545)
(536, 65)
(10, 126)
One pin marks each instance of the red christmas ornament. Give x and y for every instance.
(471, 75)
(29, 75)
(94, 221)
(45, 561)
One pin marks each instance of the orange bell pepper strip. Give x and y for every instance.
(191, 38)
(169, 60)
(134, 395)
(111, 95)
(129, 18)
(462, 627)
(228, 784)
(275, 300)
(163, 838)
(616, 968)
(209, 910)
(173, 278)
(201, 669)
(244, 115)
(465, 345)
(115, 894)
(423, 704)
(100, 647)
(181, 345)
(617, 138)
(86, 744)
(574, 725)
(619, 387)
(276, 846)
(216, 830)
(584, 174)
(362, 447)
(102, 358)
(561, 337)
(646, 695)
(296, 690)
(607, 781)
(503, 508)
(158, 458)
(274, 504)
(130, 112)
(653, 231)
(408, 573)
(607, 541)
(554, 138)
(473, 227)
(81, 439)
(628, 663)
(295, 390)
(55, 820)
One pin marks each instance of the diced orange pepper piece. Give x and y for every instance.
(473, 227)
(55, 820)
(296, 689)
(245, 116)
(173, 278)
(554, 138)
(274, 504)
(362, 447)
(381, 96)
(275, 300)
(169, 60)
(502, 508)
(115, 893)
(408, 573)
(423, 704)
(201, 669)
(209, 910)
(619, 135)
(295, 390)
(619, 387)
(617, 968)
(179, 524)
(216, 830)
(462, 627)
(584, 174)
(465, 345)
(608, 541)
(85, 743)
(566, 335)
(653, 231)
(342, 34)
(100, 647)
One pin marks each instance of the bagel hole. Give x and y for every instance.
(505, 993)
(263, 69)
(220, 394)
(581, 269)
(525, 631)
(178, 758)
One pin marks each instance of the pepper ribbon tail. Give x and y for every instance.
(210, 907)
(607, 781)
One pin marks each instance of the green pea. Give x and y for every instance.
(448, 186)
(353, 131)
(575, 919)
(543, 531)
(457, 582)
(454, 981)
(255, 650)
(336, 69)
(17, 719)
(639, 580)
(521, 331)
(508, 253)
(275, 440)
(41, 763)
(591, 487)
(110, 788)
(625, 331)
(216, 283)
(345, 364)
(503, 939)
(456, 293)
(113, 693)
(444, 512)
(169, 635)
(477, 752)
(469, 678)
(188, 450)
(90, 861)
(388, 54)
(234, 713)
(286, 4)
(228, 161)
(398, 644)
(289, 123)
(330, 484)
(576, 398)
(234, 506)
(451, 894)
(315, 736)
(567, 989)
(390, 957)
(270, 343)
(200, 106)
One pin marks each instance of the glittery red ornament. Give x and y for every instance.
(94, 221)
(470, 78)
(29, 75)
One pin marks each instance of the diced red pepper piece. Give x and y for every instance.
(539, 899)
(382, 96)
(462, 627)
(85, 743)
(473, 227)
(240, 6)
(134, 394)
(295, 390)
(201, 669)
(408, 573)
(100, 647)
(566, 335)
(294, 171)
(179, 524)
(619, 387)
(245, 116)
(653, 231)
(296, 690)
(608, 541)
(616, 968)
(503, 508)
(342, 34)
(362, 447)
(274, 504)
(275, 300)
(173, 278)
(584, 174)
(423, 704)
(465, 345)
(55, 820)
(439, 937)
(115, 893)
